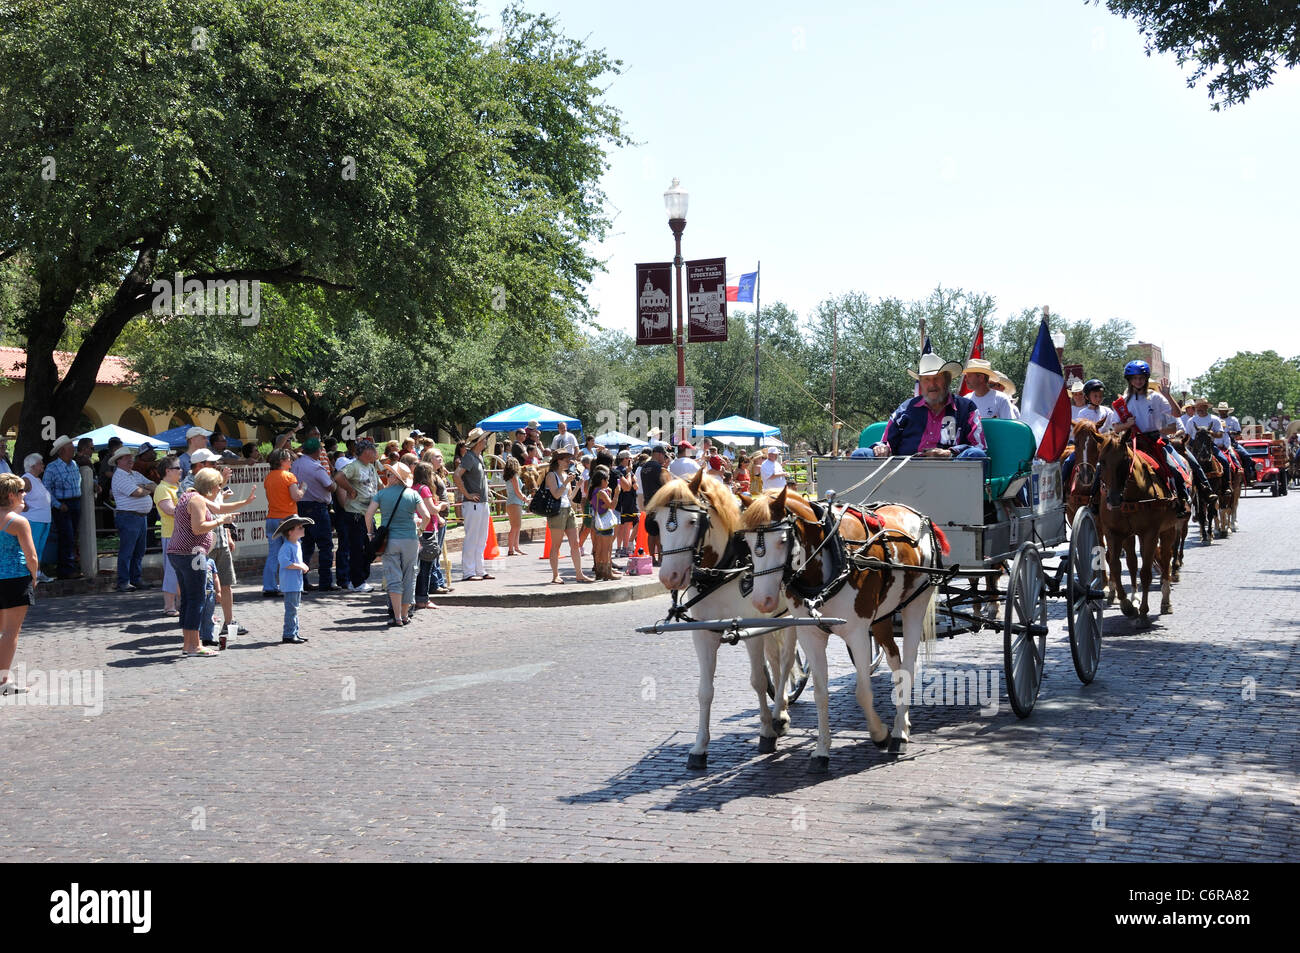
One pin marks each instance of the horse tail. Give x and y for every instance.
(928, 626)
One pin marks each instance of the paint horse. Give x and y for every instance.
(697, 522)
(1138, 506)
(856, 570)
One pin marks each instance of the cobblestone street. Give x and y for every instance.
(559, 733)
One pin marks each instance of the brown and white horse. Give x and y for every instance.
(1146, 511)
(794, 558)
(697, 520)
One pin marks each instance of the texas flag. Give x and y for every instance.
(744, 290)
(976, 351)
(1044, 404)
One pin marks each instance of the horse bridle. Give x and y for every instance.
(671, 525)
(785, 527)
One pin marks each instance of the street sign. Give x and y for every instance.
(654, 283)
(685, 412)
(706, 299)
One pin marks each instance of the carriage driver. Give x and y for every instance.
(938, 423)
(1151, 416)
(1232, 431)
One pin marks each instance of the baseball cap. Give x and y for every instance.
(196, 432)
(203, 455)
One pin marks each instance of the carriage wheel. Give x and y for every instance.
(1083, 576)
(1024, 630)
(798, 678)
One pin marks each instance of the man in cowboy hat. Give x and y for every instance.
(133, 499)
(938, 423)
(990, 403)
(472, 486)
(63, 481)
(1231, 431)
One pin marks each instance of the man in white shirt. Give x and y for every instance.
(1232, 429)
(1007, 388)
(771, 472)
(684, 466)
(133, 499)
(1204, 420)
(991, 404)
(564, 440)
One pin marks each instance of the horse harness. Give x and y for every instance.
(706, 580)
(844, 563)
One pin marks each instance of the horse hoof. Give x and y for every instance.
(898, 746)
(882, 743)
(1144, 621)
(1127, 609)
(819, 764)
(766, 745)
(1166, 610)
(781, 727)
(697, 762)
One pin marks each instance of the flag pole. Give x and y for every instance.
(758, 311)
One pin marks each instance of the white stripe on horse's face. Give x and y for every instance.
(767, 587)
(675, 567)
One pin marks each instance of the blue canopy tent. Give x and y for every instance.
(175, 438)
(518, 417)
(735, 429)
(614, 439)
(102, 435)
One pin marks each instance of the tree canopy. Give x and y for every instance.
(1253, 383)
(382, 150)
(1238, 44)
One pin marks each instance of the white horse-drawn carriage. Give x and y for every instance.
(950, 546)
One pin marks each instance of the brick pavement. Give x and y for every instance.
(558, 733)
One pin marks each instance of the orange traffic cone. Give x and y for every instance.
(546, 550)
(491, 551)
(642, 538)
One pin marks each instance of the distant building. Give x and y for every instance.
(1142, 351)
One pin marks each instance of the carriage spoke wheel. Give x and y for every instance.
(798, 678)
(1024, 630)
(1084, 578)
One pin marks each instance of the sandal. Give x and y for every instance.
(201, 653)
(486, 576)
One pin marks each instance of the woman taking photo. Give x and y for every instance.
(18, 568)
(515, 504)
(559, 482)
(188, 550)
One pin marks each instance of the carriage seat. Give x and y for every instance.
(1011, 448)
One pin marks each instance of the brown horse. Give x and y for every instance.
(1147, 512)
(1226, 483)
(1085, 488)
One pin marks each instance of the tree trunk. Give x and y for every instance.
(40, 413)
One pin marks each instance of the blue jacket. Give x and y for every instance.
(959, 430)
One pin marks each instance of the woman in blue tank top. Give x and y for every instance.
(18, 568)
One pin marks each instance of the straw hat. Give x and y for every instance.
(934, 364)
(474, 436)
(1223, 407)
(977, 365)
(402, 472)
(59, 444)
(1007, 383)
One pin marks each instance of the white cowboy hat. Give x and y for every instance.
(977, 365)
(475, 435)
(122, 452)
(1076, 386)
(934, 364)
(1224, 408)
(59, 444)
(654, 432)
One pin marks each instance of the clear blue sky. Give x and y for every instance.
(1024, 148)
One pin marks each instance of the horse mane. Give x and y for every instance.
(759, 511)
(716, 494)
(1083, 426)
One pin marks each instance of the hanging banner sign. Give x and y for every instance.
(654, 284)
(706, 300)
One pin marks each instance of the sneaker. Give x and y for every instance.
(41, 577)
(364, 587)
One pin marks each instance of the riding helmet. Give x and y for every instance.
(1137, 367)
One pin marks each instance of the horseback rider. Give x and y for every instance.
(990, 403)
(1204, 420)
(938, 423)
(1149, 414)
(1232, 431)
(1093, 410)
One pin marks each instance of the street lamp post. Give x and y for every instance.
(676, 200)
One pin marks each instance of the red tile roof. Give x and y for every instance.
(13, 365)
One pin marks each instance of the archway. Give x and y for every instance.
(10, 418)
(181, 418)
(229, 426)
(133, 419)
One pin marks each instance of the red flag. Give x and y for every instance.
(733, 292)
(976, 351)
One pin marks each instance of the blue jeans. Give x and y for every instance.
(291, 602)
(439, 577)
(205, 614)
(353, 527)
(40, 533)
(271, 568)
(975, 453)
(130, 550)
(192, 582)
(318, 536)
(341, 560)
(65, 524)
